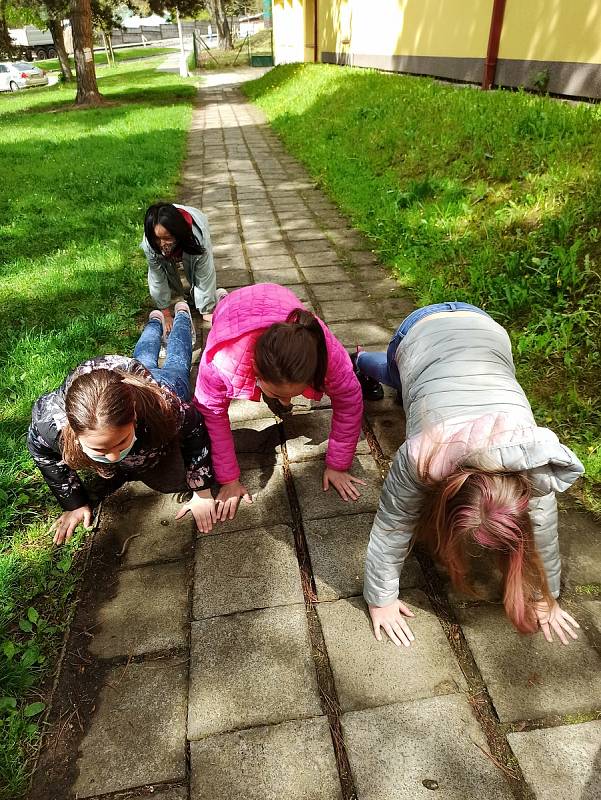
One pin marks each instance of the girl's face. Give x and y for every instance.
(108, 444)
(284, 392)
(165, 240)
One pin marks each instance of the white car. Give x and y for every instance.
(15, 75)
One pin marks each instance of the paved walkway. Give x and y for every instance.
(242, 664)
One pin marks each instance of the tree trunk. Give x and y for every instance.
(224, 34)
(183, 61)
(6, 43)
(81, 24)
(55, 26)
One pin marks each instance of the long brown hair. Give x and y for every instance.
(294, 351)
(490, 509)
(106, 398)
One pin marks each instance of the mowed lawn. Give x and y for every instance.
(488, 197)
(74, 188)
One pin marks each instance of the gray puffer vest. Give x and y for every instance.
(464, 407)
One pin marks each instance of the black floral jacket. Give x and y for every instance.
(49, 419)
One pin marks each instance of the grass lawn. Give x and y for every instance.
(489, 197)
(75, 184)
(131, 53)
(260, 44)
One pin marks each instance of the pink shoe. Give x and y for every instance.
(183, 308)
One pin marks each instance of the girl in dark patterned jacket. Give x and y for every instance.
(126, 419)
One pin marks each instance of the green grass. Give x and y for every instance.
(75, 184)
(490, 197)
(50, 64)
(260, 44)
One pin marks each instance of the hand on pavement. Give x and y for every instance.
(203, 510)
(228, 498)
(392, 619)
(343, 483)
(554, 618)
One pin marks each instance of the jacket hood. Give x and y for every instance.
(495, 441)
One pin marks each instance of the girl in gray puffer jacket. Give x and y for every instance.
(474, 467)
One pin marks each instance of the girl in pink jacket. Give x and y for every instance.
(265, 343)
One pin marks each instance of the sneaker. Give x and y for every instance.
(183, 308)
(370, 388)
(220, 294)
(158, 315)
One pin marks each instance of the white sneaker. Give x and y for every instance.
(220, 294)
(183, 308)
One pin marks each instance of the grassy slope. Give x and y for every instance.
(130, 54)
(488, 197)
(75, 185)
(260, 44)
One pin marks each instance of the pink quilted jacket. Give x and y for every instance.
(226, 371)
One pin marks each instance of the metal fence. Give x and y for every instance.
(157, 32)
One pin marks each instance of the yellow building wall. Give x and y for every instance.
(451, 28)
(288, 31)
(541, 30)
(552, 30)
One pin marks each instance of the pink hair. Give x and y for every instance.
(490, 509)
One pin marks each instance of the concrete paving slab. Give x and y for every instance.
(344, 310)
(294, 760)
(337, 548)
(396, 749)
(320, 258)
(349, 239)
(257, 442)
(527, 677)
(242, 410)
(149, 612)
(284, 277)
(263, 263)
(336, 291)
(137, 735)
(561, 763)
(150, 518)
(580, 544)
(593, 607)
(245, 570)
(233, 278)
(270, 501)
(307, 435)
(262, 236)
(266, 249)
(328, 274)
(369, 673)
(389, 429)
(363, 258)
(361, 333)
(301, 291)
(251, 669)
(309, 246)
(315, 503)
(168, 792)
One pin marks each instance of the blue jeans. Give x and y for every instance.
(175, 372)
(382, 367)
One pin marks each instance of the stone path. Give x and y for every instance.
(242, 664)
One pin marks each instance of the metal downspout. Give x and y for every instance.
(315, 32)
(494, 37)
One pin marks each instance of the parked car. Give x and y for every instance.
(16, 75)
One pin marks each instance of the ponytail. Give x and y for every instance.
(294, 351)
